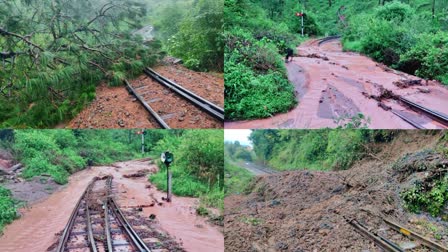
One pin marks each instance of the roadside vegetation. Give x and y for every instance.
(59, 153)
(191, 30)
(256, 83)
(236, 178)
(198, 167)
(323, 149)
(8, 208)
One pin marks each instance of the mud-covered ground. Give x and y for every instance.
(114, 107)
(176, 224)
(332, 86)
(308, 210)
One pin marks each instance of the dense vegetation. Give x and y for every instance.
(256, 84)
(198, 167)
(192, 31)
(55, 52)
(236, 178)
(59, 153)
(8, 208)
(410, 35)
(314, 149)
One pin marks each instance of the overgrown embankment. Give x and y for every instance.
(59, 153)
(255, 76)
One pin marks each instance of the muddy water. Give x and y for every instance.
(36, 229)
(349, 75)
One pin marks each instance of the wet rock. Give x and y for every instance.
(424, 90)
(274, 203)
(281, 246)
(408, 245)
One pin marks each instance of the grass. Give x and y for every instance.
(236, 178)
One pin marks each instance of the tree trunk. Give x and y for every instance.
(433, 9)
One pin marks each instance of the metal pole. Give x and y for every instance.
(167, 183)
(169, 186)
(302, 23)
(143, 141)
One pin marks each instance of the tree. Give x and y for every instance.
(54, 50)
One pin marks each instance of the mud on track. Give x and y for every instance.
(38, 228)
(306, 210)
(114, 107)
(331, 84)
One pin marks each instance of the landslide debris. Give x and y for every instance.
(308, 210)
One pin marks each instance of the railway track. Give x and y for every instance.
(441, 118)
(435, 115)
(97, 223)
(328, 39)
(389, 245)
(201, 103)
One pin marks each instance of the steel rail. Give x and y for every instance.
(212, 105)
(138, 242)
(437, 115)
(327, 39)
(156, 116)
(378, 240)
(411, 122)
(66, 233)
(198, 101)
(106, 216)
(409, 233)
(89, 225)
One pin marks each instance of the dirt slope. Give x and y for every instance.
(307, 210)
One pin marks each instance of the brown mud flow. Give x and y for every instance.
(175, 225)
(114, 107)
(332, 84)
(310, 210)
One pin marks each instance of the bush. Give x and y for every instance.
(197, 170)
(8, 208)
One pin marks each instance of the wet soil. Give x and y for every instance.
(354, 78)
(308, 210)
(38, 228)
(114, 107)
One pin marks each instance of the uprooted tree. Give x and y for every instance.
(54, 52)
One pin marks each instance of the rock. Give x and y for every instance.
(152, 216)
(408, 245)
(181, 119)
(281, 246)
(424, 90)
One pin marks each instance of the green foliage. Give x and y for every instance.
(59, 153)
(198, 167)
(434, 200)
(314, 149)
(192, 31)
(8, 208)
(236, 178)
(256, 84)
(61, 58)
(402, 36)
